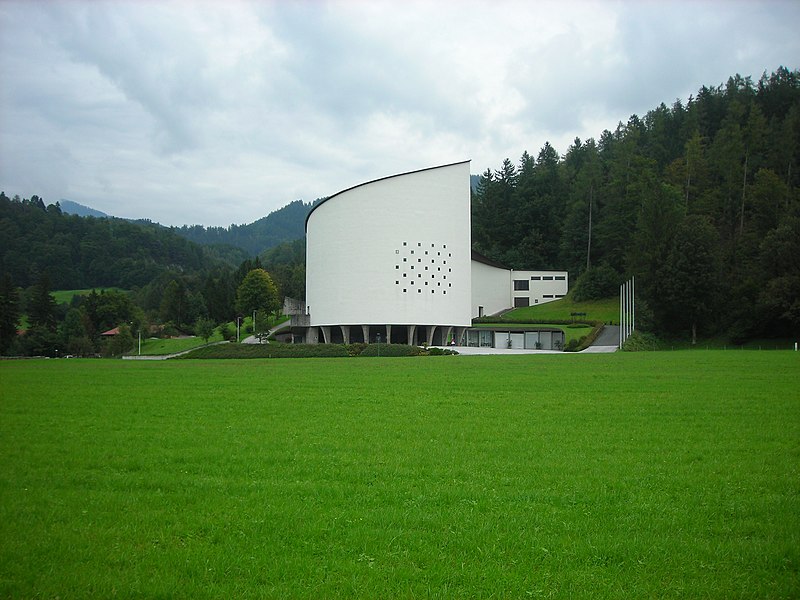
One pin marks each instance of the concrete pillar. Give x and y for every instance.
(365, 331)
(388, 334)
(431, 331)
(345, 333)
(411, 330)
(460, 332)
(447, 332)
(326, 334)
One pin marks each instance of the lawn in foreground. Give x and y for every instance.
(614, 476)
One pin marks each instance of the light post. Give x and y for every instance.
(140, 341)
(254, 323)
(238, 324)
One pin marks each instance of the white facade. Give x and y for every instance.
(395, 251)
(495, 289)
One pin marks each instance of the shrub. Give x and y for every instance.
(356, 349)
(441, 352)
(391, 350)
(228, 332)
(640, 341)
(269, 351)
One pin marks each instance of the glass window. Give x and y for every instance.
(521, 285)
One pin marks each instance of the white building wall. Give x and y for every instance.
(543, 286)
(491, 289)
(362, 243)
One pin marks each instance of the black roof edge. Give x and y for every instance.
(478, 257)
(308, 216)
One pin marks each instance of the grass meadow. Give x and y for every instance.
(630, 475)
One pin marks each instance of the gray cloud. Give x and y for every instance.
(219, 113)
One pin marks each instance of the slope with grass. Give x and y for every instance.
(616, 476)
(606, 310)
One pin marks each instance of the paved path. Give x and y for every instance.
(608, 337)
(254, 340)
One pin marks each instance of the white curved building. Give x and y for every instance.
(389, 260)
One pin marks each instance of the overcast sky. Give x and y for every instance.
(215, 113)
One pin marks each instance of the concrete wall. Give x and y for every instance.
(491, 289)
(393, 251)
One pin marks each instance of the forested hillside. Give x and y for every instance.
(283, 225)
(699, 201)
(81, 252)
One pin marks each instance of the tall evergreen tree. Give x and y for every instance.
(9, 312)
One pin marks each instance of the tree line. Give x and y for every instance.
(171, 285)
(699, 201)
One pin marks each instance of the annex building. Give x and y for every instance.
(391, 260)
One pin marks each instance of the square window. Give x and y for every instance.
(419, 291)
(420, 276)
(431, 245)
(397, 266)
(405, 243)
(444, 262)
(426, 283)
(444, 291)
(432, 276)
(439, 284)
(412, 267)
(397, 251)
(412, 282)
(438, 254)
(397, 283)
(449, 270)
(444, 245)
(419, 260)
(431, 261)
(419, 244)
(433, 291)
(438, 268)
(405, 259)
(404, 290)
(412, 252)
(449, 254)
(426, 268)
(426, 252)
(404, 274)
(449, 285)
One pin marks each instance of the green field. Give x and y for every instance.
(630, 475)
(65, 296)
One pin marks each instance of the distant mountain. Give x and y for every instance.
(79, 252)
(73, 208)
(283, 225)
